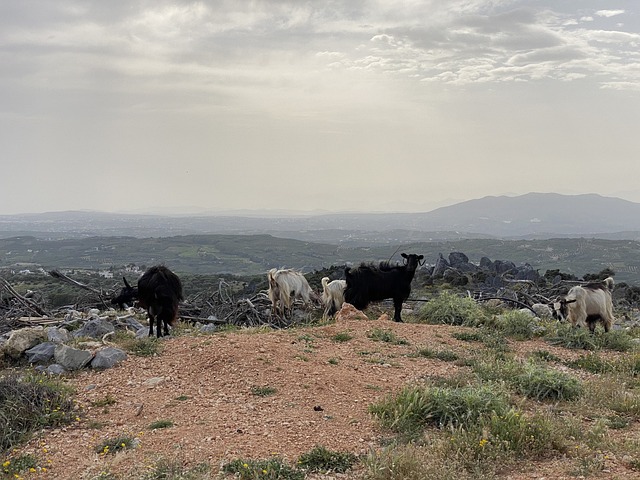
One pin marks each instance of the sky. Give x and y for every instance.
(352, 105)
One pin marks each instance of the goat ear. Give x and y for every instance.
(403, 255)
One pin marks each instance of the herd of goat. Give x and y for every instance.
(159, 291)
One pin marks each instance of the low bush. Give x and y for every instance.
(30, 403)
(451, 309)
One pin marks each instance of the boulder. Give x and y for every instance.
(457, 258)
(72, 358)
(108, 357)
(57, 334)
(41, 353)
(23, 339)
(440, 266)
(95, 328)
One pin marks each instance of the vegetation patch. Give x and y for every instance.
(263, 391)
(342, 337)
(30, 403)
(451, 309)
(413, 408)
(115, 444)
(322, 460)
(444, 355)
(161, 424)
(515, 324)
(271, 469)
(387, 336)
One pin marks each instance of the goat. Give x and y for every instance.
(159, 291)
(332, 295)
(284, 286)
(588, 304)
(370, 283)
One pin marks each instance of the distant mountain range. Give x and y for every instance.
(534, 215)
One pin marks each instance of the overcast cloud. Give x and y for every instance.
(335, 105)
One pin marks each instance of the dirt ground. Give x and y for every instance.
(206, 385)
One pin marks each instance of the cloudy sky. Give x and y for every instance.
(308, 105)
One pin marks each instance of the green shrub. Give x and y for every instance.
(30, 403)
(342, 337)
(515, 324)
(581, 338)
(541, 383)
(415, 407)
(161, 424)
(271, 469)
(319, 459)
(444, 355)
(115, 444)
(263, 391)
(451, 309)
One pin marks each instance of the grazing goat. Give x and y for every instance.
(159, 291)
(588, 304)
(332, 295)
(370, 283)
(284, 286)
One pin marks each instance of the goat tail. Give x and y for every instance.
(609, 282)
(325, 282)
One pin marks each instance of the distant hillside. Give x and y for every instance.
(255, 254)
(534, 215)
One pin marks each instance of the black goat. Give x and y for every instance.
(371, 283)
(159, 291)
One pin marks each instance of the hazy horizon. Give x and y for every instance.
(341, 106)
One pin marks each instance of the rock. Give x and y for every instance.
(41, 353)
(23, 339)
(440, 266)
(142, 333)
(55, 369)
(349, 312)
(94, 328)
(108, 357)
(72, 358)
(209, 328)
(155, 381)
(456, 259)
(57, 334)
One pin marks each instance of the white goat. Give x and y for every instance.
(284, 286)
(332, 295)
(588, 305)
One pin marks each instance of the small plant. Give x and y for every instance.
(115, 444)
(413, 407)
(319, 459)
(515, 324)
(387, 336)
(592, 363)
(468, 336)
(540, 383)
(450, 309)
(182, 398)
(545, 356)
(161, 424)
(143, 347)
(15, 466)
(106, 401)
(30, 403)
(333, 361)
(444, 355)
(263, 391)
(174, 470)
(342, 337)
(271, 469)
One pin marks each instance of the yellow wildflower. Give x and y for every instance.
(483, 442)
